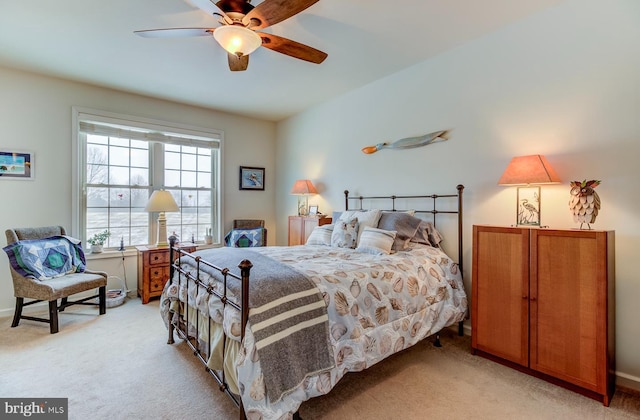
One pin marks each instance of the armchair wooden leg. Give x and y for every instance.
(103, 299)
(53, 316)
(18, 312)
(63, 304)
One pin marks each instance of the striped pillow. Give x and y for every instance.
(321, 235)
(376, 241)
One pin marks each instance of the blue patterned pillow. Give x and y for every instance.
(47, 258)
(245, 238)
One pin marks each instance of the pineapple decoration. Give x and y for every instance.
(585, 202)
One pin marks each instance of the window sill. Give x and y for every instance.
(132, 252)
(111, 253)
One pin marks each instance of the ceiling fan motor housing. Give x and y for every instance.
(237, 6)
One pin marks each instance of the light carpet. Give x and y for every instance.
(118, 366)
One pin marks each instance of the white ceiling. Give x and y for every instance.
(93, 42)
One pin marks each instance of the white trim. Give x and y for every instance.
(626, 380)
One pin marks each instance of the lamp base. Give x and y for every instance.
(162, 231)
(303, 205)
(528, 206)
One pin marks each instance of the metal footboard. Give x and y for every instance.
(180, 324)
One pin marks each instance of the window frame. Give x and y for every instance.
(78, 194)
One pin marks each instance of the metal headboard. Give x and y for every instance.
(432, 200)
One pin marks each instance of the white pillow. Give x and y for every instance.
(376, 241)
(321, 235)
(368, 218)
(345, 233)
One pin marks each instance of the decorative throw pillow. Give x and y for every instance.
(376, 241)
(403, 223)
(321, 235)
(345, 233)
(365, 218)
(244, 238)
(47, 258)
(427, 234)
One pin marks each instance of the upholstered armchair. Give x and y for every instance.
(247, 233)
(52, 289)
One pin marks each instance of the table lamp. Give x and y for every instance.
(303, 188)
(161, 201)
(524, 171)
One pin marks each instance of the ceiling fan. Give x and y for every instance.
(240, 21)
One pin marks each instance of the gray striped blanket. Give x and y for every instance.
(287, 316)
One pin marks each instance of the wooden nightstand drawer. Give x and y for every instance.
(158, 276)
(158, 273)
(158, 257)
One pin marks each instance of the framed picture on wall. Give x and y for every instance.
(251, 178)
(16, 164)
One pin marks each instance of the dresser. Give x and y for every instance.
(543, 302)
(300, 227)
(153, 269)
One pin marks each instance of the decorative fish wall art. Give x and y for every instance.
(410, 142)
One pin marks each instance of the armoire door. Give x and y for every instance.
(500, 298)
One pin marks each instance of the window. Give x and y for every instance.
(122, 160)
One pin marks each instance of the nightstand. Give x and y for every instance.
(300, 227)
(153, 269)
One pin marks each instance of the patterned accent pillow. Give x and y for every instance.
(345, 233)
(47, 258)
(403, 223)
(365, 218)
(321, 235)
(376, 241)
(245, 238)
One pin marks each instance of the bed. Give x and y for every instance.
(276, 326)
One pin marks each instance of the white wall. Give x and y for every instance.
(35, 114)
(563, 83)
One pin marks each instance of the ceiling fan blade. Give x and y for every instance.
(174, 32)
(211, 8)
(270, 12)
(238, 63)
(292, 48)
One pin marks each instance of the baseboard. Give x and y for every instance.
(628, 381)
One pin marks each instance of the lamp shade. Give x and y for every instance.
(303, 187)
(161, 200)
(237, 39)
(526, 170)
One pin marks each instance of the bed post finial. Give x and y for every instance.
(346, 199)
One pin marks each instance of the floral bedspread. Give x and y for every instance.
(377, 305)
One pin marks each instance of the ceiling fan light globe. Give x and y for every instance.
(237, 39)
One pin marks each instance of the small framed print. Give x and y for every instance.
(251, 178)
(313, 210)
(528, 206)
(15, 164)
